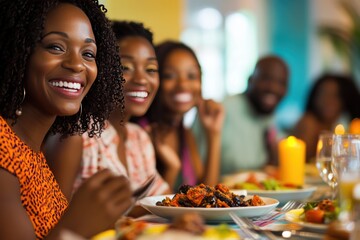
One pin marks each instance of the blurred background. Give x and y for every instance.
(230, 35)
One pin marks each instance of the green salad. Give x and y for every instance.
(268, 184)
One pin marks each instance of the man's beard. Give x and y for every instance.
(258, 106)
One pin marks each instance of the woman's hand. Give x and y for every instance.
(211, 116)
(97, 204)
(166, 154)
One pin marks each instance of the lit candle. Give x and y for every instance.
(355, 126)
(339, 129)
(292, 160)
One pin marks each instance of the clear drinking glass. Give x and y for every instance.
(346, 167)
(324, 161)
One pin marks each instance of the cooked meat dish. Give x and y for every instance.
(209, 197)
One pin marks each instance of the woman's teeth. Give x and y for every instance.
(183, 97)
(138, 94)
(71, 85)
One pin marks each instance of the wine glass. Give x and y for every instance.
(346, 168)
(324, 161)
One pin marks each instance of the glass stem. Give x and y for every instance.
(334, 191)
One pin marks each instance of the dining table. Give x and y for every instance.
(278, 228)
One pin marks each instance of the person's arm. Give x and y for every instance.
(168, 158)
(14, 221)
(272, 142)
(211, 115)
(308, 130)
(170, 162)
(96, 205)
(64, 158)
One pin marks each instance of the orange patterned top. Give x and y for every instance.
(39, 192)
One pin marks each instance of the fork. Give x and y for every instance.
(263, 221)
(144, 188)
(248, 228)
(245, 231)
(141, 192)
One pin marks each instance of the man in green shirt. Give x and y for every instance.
(249, 136)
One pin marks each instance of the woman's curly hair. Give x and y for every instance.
(21, 26)
(123, 29)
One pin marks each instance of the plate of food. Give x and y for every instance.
(285, 195)
(258, 183)
(316, 215)
(212, 203)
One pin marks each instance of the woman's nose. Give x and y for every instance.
(74, 62)
(182, 82)
(139, 76)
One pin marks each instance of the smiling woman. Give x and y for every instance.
(55, 59)
(125, 149)
(65, 57)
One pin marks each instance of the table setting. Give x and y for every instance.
(284, 207)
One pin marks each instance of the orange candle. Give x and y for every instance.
(292, 160)
(355, 126)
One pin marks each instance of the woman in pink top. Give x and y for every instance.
(123, 147)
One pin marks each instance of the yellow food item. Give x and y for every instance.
(295, 214)
(107, 235)
(222, 231)
(155, 229)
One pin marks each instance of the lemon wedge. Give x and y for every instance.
(294, 215)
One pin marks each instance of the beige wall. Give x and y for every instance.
(163, 17)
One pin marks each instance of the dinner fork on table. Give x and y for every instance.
(249, 230)
(262, 221)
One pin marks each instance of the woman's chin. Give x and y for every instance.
(68, 112)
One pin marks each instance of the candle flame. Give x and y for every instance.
(339, 129)
(292, 140)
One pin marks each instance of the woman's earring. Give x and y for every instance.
(18, 111)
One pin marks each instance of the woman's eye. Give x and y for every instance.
(152, 70)
(127, 68)
(55, 47)
(90, 55)
(193, 76)
(168, 76)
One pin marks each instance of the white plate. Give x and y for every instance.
(209, 214)
(293, 216)
(284, 196)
